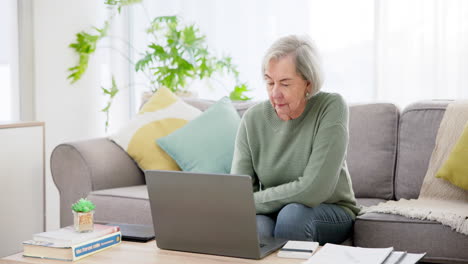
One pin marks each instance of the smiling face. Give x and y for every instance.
(286, 88)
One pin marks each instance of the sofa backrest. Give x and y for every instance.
(204, 104)
(419, 124)
(373, 130)
(388, 152)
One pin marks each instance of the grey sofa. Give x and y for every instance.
(388, 154)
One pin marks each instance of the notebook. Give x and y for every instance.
(298, 249)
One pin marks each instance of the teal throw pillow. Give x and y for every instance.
(205, 144)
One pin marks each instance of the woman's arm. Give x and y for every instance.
(242, 160)
(321, 174)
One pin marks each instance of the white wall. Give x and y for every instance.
(70, 112)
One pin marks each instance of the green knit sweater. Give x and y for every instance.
(297, 161)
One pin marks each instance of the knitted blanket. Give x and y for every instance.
(438, 200)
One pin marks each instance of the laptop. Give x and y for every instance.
(206, 213)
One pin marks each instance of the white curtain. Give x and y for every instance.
(9, 89)
(344, 33)
(397, 51)
(422, 50)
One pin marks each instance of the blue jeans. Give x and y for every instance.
(325, 223)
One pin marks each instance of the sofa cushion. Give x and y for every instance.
(160, 116)
(122, 205)
(416, 236)
(369, 201)
(203, 104)
(419, 124)
(372, 149)
(455, 168)
(205, 144)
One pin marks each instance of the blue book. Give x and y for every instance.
(49, 250)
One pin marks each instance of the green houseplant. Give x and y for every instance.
(83, 215)
(176, 55)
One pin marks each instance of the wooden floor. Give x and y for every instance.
(131, 252)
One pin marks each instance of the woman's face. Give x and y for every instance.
(286, 88)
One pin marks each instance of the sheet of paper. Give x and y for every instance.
(395, 257)
(337, 254)
(411, 258)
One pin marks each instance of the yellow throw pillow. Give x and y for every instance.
(161, 115)
(455, 169)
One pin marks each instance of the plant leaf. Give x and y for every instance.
(83, 205)
(238, 93)
(84, 46)
(143, 62)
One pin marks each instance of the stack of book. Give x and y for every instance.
(67, 244)
(337, 254)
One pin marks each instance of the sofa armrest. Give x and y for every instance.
(81, 167)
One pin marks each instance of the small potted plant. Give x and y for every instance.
(83, 214)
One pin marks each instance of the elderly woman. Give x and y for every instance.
(294, 148)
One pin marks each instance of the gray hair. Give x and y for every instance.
(306, 58)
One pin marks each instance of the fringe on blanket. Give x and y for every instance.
(444, 212)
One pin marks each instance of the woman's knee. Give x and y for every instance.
(323, 223)
(265, 225)
(292, 223)
(292, 208)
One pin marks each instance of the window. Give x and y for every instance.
(344, 33)
(244, 29)
(395, 51)
(9, 92)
